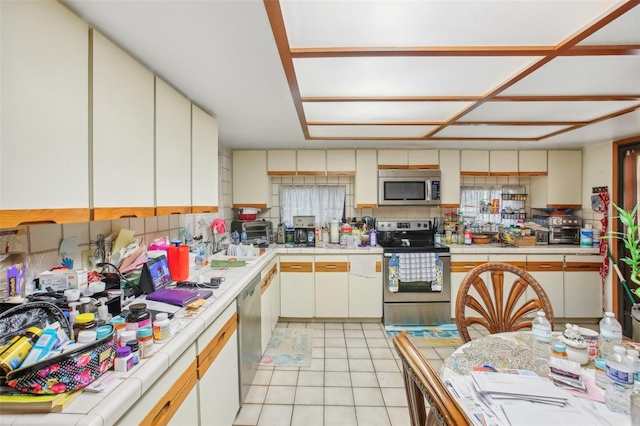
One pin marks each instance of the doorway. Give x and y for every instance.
(627, 176)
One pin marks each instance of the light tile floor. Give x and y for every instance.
(354, 379)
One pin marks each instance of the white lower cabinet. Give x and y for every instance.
(161, 402)
(582, 287)
(218, 386)
(365, 293)
(297, 287)
(275, 298)
(265, 315)
(269, 293)
(332, 286)
(187, 413)
(461, 264)
(548, 271)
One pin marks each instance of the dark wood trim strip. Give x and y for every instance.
(345, 173)
(274, 13)
(366, 206)
(310, 173)
(374, 123)
(281, 173)
(518, 123)
(438, 138)
(169, 210)
(504, 174)
(14, 218)
(204, 209)
(532, 173)
(458, 51)
(545, 266)
(474, 173)
(332, 266)
(296, 267)
(393, 166)
(503, 98)
(449, 206)
(582, 267)
(257, 206)
(423, 166)
(114, 213)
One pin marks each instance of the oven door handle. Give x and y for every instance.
(445, 254)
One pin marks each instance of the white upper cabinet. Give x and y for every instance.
(281, 162)
(474, 163)
(341, 162)
(44, 114)
(423, 158)
(366, 181)
(312, 162)
(123, 127)
(532, 163)
(562, 187)
(393, 158)
(251, 186)
(173, 151)
(450, 178)
(503, 163)
(204, 162)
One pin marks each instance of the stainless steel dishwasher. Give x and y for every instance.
(249, 348)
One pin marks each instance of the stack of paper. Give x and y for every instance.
(495, 387)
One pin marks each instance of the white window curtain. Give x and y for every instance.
(474, 202)
(323, 202)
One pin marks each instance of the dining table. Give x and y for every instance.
(510, 352)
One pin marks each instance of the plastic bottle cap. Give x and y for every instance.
(123, 351)
(609, 314)
(117, 320)
(86, 336)
(161, 316)
(145, 331)
(84, 300)
(73, 315)
(86, 317)
(541, 313)
(558, 347)
(133, 344)
(600, 363)
(73, 305)
(127, 336)
(103, 331)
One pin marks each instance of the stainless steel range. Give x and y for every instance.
(419, 300)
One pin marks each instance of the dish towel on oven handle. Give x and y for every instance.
(418, 267)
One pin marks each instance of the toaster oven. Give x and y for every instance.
(259, 231)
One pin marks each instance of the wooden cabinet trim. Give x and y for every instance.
(281, 173)
(532, 173)
(169, 210)
(296, 267)
(474, 173)
(366, 206)
(167, 406)
(268, 279)
(204, 209)
(503, 173)
(257, 206)
(449, 206)
(14, 218)
(393, 166)
(582, 267)
(545, 266)
(378, 266)
(332, 266)
(316, 173)
(114, 213)
(209, 354)
(423, 166)
(345, 173)
(464, 266)
(517, 263)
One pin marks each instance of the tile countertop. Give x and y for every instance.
(328, 249)
(495, 248)
(105, 409)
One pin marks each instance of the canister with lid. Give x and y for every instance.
(145, 341)
(86, 321)
(161, 327)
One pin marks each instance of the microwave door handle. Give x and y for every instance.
(429, 197)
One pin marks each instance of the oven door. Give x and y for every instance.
(564, 235)
(419, 291)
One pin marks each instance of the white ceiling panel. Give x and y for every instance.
(369, 131)
(485, 131)
(436, 23)
(381, 111)
(624, 30)
(594, 75)
(546, 111)
(404, 76)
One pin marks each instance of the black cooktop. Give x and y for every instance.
(397, 247)
(409, 236)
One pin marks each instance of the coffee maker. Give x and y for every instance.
(304, 230)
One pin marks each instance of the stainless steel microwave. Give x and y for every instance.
(408, 187)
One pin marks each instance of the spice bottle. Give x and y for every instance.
(135, 352)
(161, 327)
(13, 353)
(138, 317)
(145, 341)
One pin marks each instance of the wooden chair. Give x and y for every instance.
(422, 382)
(496, 315)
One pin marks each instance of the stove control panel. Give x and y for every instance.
(405, 225)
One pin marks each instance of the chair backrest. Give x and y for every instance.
(498, 315)
(422, 382)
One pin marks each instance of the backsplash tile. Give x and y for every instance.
(45, 237)
(150, 224)
(117, 225)
(100, 227)
(136, 224)
(78, 230)
(163, 223)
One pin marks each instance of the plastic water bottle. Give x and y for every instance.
(243, 236)
(620, 373)
(394, 273)
(610, 334)
(633, 354)
(541, 339)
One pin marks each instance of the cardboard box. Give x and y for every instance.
(63, 279)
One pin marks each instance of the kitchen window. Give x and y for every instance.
(478, 203)
(323, 202)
